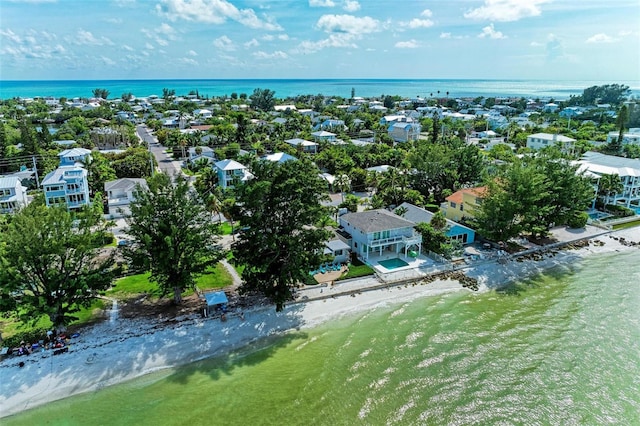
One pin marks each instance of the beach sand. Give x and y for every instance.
(115, 351)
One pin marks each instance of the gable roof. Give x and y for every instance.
(229, 165)
(456, 197)
(375, 221)
(9, 182)
(551, 137)
(74, 152)
(418, 214)
(57, 176)
(298, 141)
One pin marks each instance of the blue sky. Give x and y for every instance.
(473, 39)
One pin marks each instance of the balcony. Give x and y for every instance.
(413, 239)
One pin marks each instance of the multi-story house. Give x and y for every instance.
(13, 195)
(404, 131)
(231, 173)
(376, 233)
(598, 165)
(463, 203)
(120, 193)
(66, 185)
(544, 140)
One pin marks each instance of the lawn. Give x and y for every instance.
(356, 271)
(627, 225)
(11, 325)
(215, 277)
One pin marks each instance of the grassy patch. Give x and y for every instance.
(627, 225)
(11, 325)
(239, 268)
(226, 229)
(214, 277)
(356, 271)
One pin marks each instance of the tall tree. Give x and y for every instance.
(100, 93)
(174, 234)
(99, 171)
(279, 244)
(28, 138)
(609, 186)
(621, 120)
(51, 262)
(263, 99)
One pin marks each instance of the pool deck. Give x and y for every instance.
(412, 263)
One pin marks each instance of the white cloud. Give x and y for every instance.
(124, 3)
(33, 1)
(411, 44)
(166, 29)
(10, 35)
(418, 23)
(252, 43)
(601, 38)
(427, 13)
(536, 44)
(506, 10)
(554, 47)
(127, 47)
(490, 32)
(275, 55)
(283, 37)
(321, 3)
(188, 61)
(268, 37)
(351, 6)
(348, 24)
(224, 43)
(213, 12)
(445, 35)
(334, 40)
(107, 61)
(114, 21)
(87, 38)
(192, 53)
(149, 46)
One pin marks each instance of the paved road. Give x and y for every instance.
(165, 163)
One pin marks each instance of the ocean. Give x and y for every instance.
(560, 348)
(547, 89)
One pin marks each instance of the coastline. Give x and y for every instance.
(108, 354)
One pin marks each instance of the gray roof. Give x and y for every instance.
(57, 176)
(376, 220)
(124, 184)
(335, 245)
(418, 214)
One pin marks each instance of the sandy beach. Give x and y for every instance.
(115, 351)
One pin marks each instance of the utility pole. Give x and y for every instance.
(35, 169)
(151, 162)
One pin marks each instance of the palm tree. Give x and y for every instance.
(609, 186)
(342, 183)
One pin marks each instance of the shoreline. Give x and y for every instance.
(106, 354)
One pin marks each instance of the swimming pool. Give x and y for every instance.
(393, 263)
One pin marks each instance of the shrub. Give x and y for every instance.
(31, 336)
(578, 220)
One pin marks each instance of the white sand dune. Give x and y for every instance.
(112, 352)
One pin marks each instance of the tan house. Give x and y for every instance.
(463, 203)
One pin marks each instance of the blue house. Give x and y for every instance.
(231, 173)
(69, 157)
(66, 185)
(455, 231)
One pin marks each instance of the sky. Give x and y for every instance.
(263, 39)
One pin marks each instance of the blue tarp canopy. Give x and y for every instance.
(216, 298)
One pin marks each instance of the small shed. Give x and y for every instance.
(215, 299)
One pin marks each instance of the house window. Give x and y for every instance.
(461, 207)
(337, 253)
(452, 204)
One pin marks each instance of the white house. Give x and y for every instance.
(377, 233)
(306, 146)
(628, 169)
(13, 195)
(543, 140)
(66, 185)
(197, 153)
(632, 137)
(120, 193)
(338, 250)
(231, 173)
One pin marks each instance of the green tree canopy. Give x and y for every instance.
(174, 235)
(279, 244)
(263, 99)
(51, 264)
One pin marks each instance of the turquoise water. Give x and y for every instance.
(560, 349)
(284, 88)
(394, 263)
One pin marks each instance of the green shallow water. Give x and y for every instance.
(562, 348)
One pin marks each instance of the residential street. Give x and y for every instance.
(165, 163)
